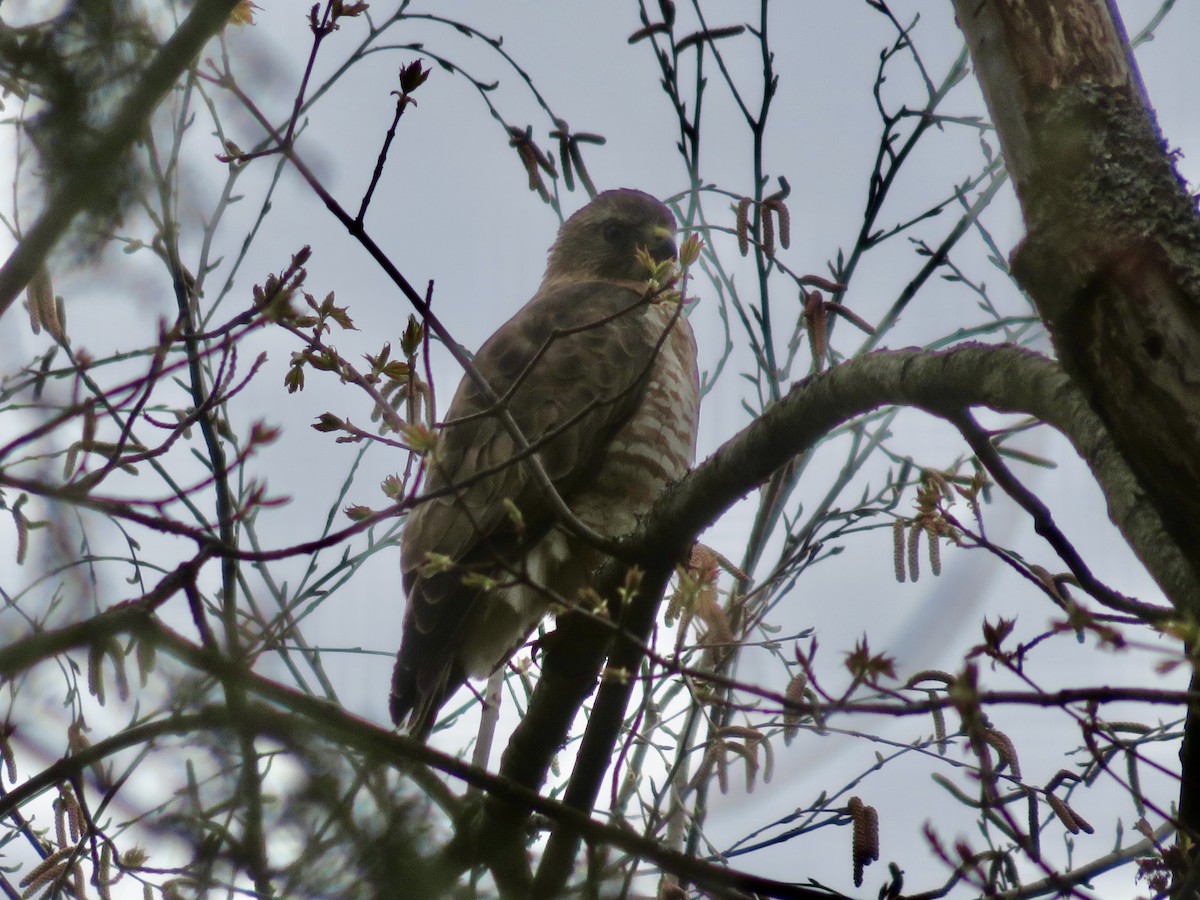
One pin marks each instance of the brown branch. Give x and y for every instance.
(128, 617)
(1111, 255)
(1004, 378)
(338, 726)
(356, 230)
(214, 546)
(1007, 379)
(322, 718)
(1044, 524)
(129, 121)
(1112, 251)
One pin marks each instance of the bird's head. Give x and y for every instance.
(601, 240)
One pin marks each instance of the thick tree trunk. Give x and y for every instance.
(1112, 251)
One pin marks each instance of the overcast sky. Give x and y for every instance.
(453, 207)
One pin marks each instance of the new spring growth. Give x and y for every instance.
(665, 274)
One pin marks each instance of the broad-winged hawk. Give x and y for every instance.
(601, 380)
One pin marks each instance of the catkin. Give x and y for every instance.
(914, 552)
(785, 222)
(743, 225)
(96, 672)
(1005, 749)
(1035, 834)
(939, 723)
(1135, 783)
(1064, 813)
(22, 536)
(6, 751)
(866, 836)
(791, 716)
(935, 549)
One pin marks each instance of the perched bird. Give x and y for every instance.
(600, 377)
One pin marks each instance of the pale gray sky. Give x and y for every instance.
(453, 206)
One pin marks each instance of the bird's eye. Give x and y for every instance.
(614, 233)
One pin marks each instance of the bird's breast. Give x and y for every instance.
(657, 444)
(653, 448)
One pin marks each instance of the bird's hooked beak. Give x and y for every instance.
(662, 247)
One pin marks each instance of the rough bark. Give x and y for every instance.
(1112, 252)
(1006, 379)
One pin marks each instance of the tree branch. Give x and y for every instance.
(129, 121)
(1112, 254)
(1006, 379)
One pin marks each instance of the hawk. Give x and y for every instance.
(600, 377)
